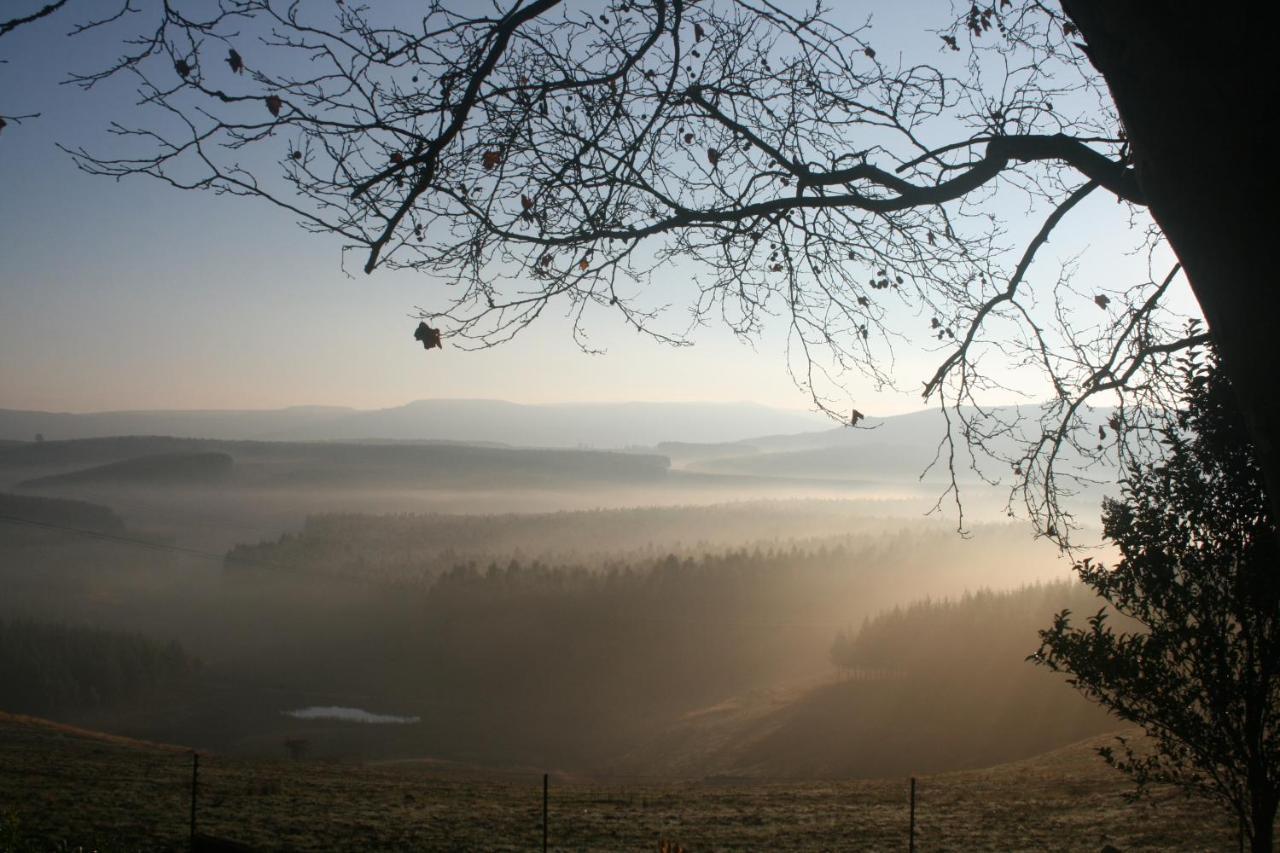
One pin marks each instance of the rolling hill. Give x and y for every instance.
(57, 512)
(161, 460)
(737, 440)
(160, 469)
(599, 425)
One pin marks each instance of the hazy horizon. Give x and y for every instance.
(354, 408)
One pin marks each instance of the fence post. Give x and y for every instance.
(544, 813)
(195, 781)
(912, 836)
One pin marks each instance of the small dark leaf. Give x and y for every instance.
(430, 337)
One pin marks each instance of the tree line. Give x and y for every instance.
(47, 667)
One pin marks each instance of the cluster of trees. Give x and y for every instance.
(578, 662)
(936, 685)
(508, 659)
(657, 636)
(934, 637)
(48, 668)
(407, 546)
(1194, 657)
(419, 547)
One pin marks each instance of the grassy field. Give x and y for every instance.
(66, 787)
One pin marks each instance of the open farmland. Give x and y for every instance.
(63, 784)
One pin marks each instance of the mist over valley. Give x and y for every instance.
(601, 610)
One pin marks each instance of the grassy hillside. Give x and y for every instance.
(66, 785)
(160, 469)
(57, 512)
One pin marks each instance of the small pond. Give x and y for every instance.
(348, 715)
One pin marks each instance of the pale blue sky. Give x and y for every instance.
(134, 295)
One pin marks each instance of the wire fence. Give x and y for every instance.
(103, 799)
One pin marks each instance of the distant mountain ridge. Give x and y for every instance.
(700, 439)
(596, 425)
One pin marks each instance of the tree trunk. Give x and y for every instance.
(1187, 81)
(1264, 838)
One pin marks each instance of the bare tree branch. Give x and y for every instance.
(45, 11)
(552, 153)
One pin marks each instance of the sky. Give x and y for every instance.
(134, 295)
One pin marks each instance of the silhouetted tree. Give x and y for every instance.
(546, 151)
(1198, 571)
